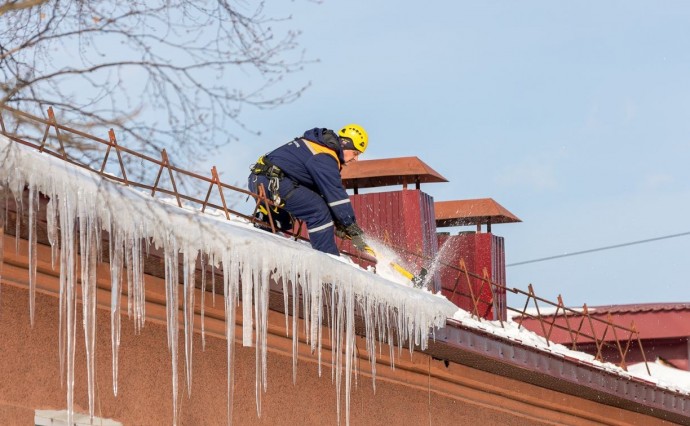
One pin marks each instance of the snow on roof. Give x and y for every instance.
(548, 310)
(248, 255)
(82, 200)
(512, 331)
(663, 375)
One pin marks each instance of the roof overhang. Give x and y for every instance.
(480, 211)
(387, 172)
(488, 352)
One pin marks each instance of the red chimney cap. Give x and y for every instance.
(471, 212)
(387, 172)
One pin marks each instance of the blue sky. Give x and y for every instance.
(575, 116)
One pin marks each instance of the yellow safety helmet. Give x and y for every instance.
(357, 135)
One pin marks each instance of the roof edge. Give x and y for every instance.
(483, 350)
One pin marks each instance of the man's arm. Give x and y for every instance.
(327, 178)
(326, 175)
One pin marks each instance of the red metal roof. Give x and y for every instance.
(389, 171)
(640, 307)
(652, 320)
(471, 212)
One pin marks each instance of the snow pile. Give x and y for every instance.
(663, 375)
(82, 205)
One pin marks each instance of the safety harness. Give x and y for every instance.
(274, 174)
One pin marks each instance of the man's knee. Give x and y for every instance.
(322, 238)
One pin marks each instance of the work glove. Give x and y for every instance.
(341, 233)
(361, 245)
(355, 233)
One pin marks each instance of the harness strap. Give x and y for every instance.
(264, 167)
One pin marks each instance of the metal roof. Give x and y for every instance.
(389, 171)
(558, 372)
(479, 211)
(639, 307)
(652, 320)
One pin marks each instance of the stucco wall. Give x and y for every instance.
(420, 390)
(30, 380)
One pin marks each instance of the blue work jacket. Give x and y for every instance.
(314, 161)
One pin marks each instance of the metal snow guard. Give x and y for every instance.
(479, 211)
(388, 172)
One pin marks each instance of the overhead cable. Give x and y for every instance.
(682, 234)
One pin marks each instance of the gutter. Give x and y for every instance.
(494, 354)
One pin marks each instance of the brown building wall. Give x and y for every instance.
(419, 391)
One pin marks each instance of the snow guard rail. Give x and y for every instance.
(93, 153)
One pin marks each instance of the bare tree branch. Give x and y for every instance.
(162, 73)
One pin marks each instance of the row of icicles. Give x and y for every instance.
(69, 217)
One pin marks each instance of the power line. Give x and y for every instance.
(600, 249)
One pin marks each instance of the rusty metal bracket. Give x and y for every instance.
(53, 122)
(113, 143)
(215, 180)
(166, 164)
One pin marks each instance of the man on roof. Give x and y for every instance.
(302, 177)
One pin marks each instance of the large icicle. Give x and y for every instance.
(172, 309)
(230, 290)
(189, 287)
(89, 233)
(68, 296)
(202, 260)
(116, 265)
(33, 258)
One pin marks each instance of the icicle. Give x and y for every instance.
(280, 276)
(246, 306)
(136, 291)
(263, 310)
(349, 347)
(230, 290)
(295, 336)
(189, 265)
(327, 315)
(116, 265)
(138, 286)
(18, 221)
(256, 280)
(370, 310)
(337, 343)
(33, 207)
(213, 280)
(203, 258)
(62, 338)
(306, 307)
(316, 314)
(68, 299)
(89, 243)
(172, 309)
(51, 218)
(129, 259)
